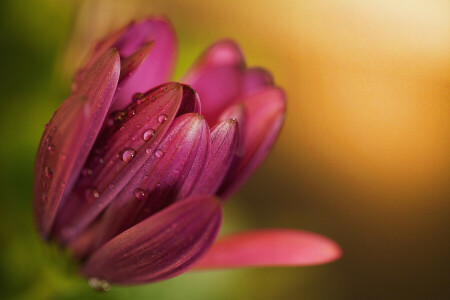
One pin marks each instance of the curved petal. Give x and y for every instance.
(217, 77)
(118, 154)
(156, 68)
(224, 141)
(264, 116)
(255, 79)
(163, 179)
(161, 246)
(69, 137)
(265, 248)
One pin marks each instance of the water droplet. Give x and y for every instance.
(48, 172)
(118, 115)
(51, 149)
(139, 126)
(148, 134)
(63, 184)
(148, 150)
(128, 155)
(162, 118)
(145, 176)
(91, 194)
(153, 98)
(99, 284)
(176, 171)
(122, 128)
(110, 186)
(140, 194)
(159, 153)
(45, 126)
(62, 156)
(137, 96)
(164, 88)
(131, 113)
(86, 172)
(48, 139)
(159, 107)
(44, 198)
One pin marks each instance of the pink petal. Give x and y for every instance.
(161, 246)
(224, 141)
(133, 61)
(118, 154)
(69, 137)
(256, 79)
(264, 116)
(265, 248)
(217, 77)
(158, 66)
(168, 175)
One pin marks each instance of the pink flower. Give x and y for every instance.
(132, 171)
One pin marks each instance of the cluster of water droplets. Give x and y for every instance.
(118, 118)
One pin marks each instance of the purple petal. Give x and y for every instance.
(224, 141)
(265, 248)
(69, 137)
(217, 77)
(159, 64)
(132, 62)
(118, 154)
(264, 117)
(161, 246)
(168, 175)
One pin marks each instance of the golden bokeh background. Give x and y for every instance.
(364, 154)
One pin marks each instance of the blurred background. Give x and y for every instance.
(363, 157)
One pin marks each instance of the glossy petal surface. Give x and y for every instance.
(118, 154)
(69, 137)
(161, 246)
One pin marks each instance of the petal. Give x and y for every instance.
(267, 248)
(69, 137)
(161, 246)
(132, 62)
(264, 116)
(256, 79)
(217, 77)
(118, 154)
(224, 141)
(159, 64)
(167, 176)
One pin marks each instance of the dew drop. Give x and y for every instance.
(45, 126)
(162, 118)
(48, 139)
(153, 98)
(148, 150)
(110, 186)
(140, 194)
(137, 96)
(48, 172)
(86, 172)
(128, 155)
(63, 184)
(131, 113)
(148, 134)
(145, 176)
(118, 115)
(99, 285)
(164, 88)
(159, 153)
(51, 149)
(91, 194)
(176, 171)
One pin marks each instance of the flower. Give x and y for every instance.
(132, 171)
